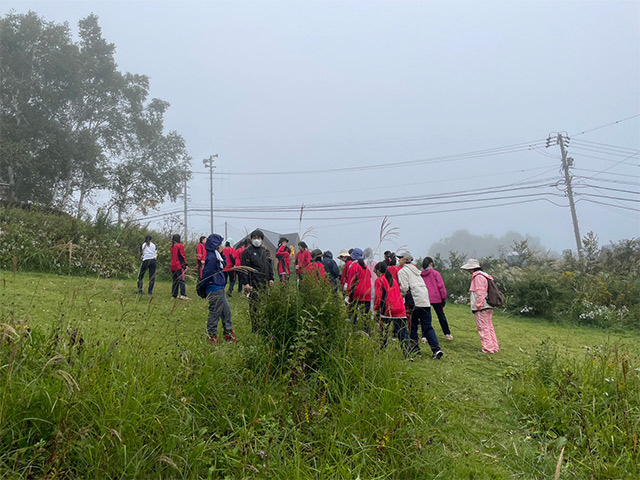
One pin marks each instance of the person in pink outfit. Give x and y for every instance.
(479, 306)
(437, 294)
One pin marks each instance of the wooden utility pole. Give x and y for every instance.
(208, 162)
(567, 163)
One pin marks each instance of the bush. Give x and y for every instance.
(301, 325)
(591, 405)
(536, 295)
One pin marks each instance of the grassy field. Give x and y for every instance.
(100, 383)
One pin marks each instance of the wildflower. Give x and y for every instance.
(261, 454)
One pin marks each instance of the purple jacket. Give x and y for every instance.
(435, 285)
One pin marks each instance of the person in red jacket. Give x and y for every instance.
(344, 256)
(238, 257)
(316, 268)
(178, 267)
(389, 305)
(201, 253)
(284, 259)
(359, 288)
(302, 260)
(230, 261)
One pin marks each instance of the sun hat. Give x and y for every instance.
(357, 254)
(406, 255)
(343, 253)
(471, 264)
(316, 253)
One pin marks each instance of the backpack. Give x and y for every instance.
(494, 295)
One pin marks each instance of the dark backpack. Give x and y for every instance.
(494, 295)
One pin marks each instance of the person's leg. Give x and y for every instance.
(152, 275)
(366, 308)
(413, 331)
(442, 318)
(183, 286)
(227, 324)
(253, 312)
(427, 329)
(385, 326)
(175, 276)
(487, 334)
(215, 312)
(403, 335)
(141, 272)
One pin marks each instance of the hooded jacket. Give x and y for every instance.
(411, 282)
(435, 285)
(478, 290)
(212, 274)
(330, 267)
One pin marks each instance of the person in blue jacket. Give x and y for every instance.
(212, 284)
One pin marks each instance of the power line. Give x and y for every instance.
(607, 125)
(604, 146)
(610, 205)
(431, 160)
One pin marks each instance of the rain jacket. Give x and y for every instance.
(178, 258)
(259, 259)
(388, 299)
(284, 259)
(330, 267)
(358, 283)
(213, 277)
(435, 285)
(478, 289)
(302, 260)
(229, 255)
(411, 282)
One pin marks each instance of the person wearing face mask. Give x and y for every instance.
(257, 257)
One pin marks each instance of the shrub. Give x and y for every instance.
(536, 295)
(301, 325)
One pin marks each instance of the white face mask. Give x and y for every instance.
(256, 242)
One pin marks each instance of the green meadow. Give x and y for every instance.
(97, 382)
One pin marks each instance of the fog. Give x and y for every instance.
(308, 96)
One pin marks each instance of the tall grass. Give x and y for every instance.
(588, 407)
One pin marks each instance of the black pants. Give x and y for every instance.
(359, 307)
(422, 316)
(178, 283)
(151, 265)
(439, 309)
(231, 280)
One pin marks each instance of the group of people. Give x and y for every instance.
(399, 294)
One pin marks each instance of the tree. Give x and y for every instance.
(154, 166)
(590, 251)
(72, 123)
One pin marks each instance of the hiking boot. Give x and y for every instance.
(230, 337)
(437, 355)
(212, 339)
(449, 336)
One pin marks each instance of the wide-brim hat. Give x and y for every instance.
(343, 253)
(406, 255)
(471, 264)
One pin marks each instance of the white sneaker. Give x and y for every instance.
(424, 340)
(449, 337)
(184, 297)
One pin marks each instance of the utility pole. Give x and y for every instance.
(208, 162)
(186, 229)
(225, 230)
(567, 163)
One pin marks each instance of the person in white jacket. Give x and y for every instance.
(416, 296)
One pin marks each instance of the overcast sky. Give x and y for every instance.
(294, 86)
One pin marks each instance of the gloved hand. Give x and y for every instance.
(444, 302)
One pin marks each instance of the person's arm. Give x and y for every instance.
(377, 295)
(404, 284)
(181, 257)
(441, 287)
